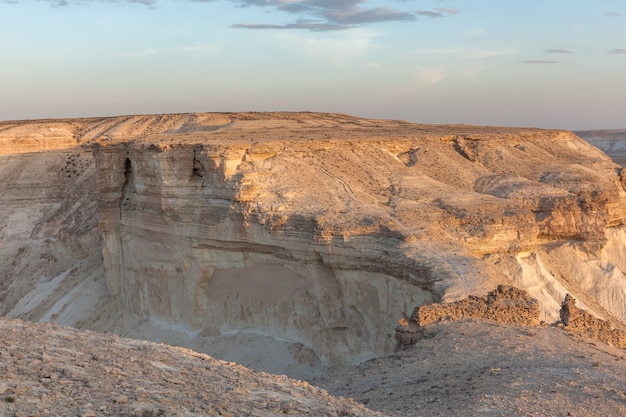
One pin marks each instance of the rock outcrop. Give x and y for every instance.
(579, 321)
(307, 233)
(505, 304)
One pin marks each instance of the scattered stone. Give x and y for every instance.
(134, 377)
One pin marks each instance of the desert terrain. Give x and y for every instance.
(294, 243)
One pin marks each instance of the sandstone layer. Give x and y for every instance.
(266, 236)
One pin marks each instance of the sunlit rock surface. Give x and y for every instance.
(293, 242)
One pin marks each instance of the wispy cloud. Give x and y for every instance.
(539, 61)
(462, 52)
(438, 12)
(313, 15)
(326, 15)
(617, 51)
(64, 3)
(612, 14)
(559, 51)
(356, 15)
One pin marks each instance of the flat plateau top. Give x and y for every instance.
(240, 128)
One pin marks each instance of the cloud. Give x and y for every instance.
(617, 51)
(314, 15)
(471, 53)
(63, 3)
(558, 51)
(612, 14)
(473, 33)
(357, 16)
(326, 15)
(438, 12)
(539, 61)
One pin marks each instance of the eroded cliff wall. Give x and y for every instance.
(314, 232)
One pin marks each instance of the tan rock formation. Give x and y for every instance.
(505, 304)
(312, 232)
(576, 320)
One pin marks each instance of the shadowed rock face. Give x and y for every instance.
(311, 232)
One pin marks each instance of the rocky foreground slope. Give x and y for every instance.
(293, 242)
(454, 369)
(47, 370)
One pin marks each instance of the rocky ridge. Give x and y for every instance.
(507, 305)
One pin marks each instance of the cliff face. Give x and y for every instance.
(320, 231)
(48, 218)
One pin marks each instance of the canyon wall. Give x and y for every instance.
(302, 235)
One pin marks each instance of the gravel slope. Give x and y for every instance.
(473, 368)
(48, 370)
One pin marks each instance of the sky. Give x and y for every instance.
(532, 63)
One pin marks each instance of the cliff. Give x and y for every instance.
(298, 235)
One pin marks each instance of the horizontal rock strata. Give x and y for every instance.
(309, 233)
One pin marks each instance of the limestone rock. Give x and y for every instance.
(305, 235)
